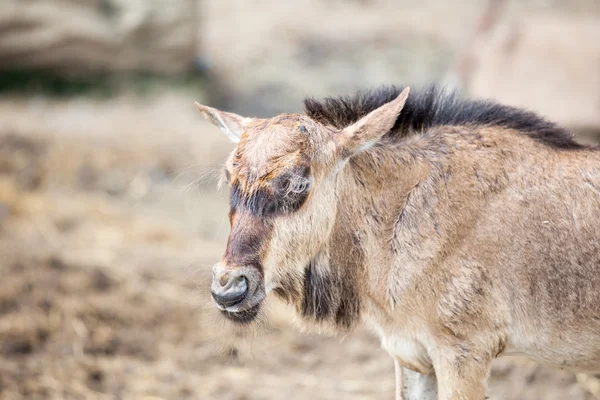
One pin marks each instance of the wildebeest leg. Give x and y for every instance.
(399, 379)
(462, 377)
(416, 386)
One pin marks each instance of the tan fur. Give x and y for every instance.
(455, 245)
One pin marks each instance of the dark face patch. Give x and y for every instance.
(247, 240)
(317, 301)
(285, 194)
(330, 296)
(251, 216)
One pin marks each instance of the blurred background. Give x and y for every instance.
(110, 216)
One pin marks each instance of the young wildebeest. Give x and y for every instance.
(456, 230)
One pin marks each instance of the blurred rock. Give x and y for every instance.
(83, 36)
(265, 59)
(548, 63)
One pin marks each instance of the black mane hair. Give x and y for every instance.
(435, 106)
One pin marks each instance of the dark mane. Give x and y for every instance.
(435, 106)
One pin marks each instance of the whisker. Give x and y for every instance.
(201, 175)
(220, 227)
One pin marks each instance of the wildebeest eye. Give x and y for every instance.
(296, 181)
(298, 184)
(291, 184)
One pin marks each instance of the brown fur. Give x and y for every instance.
(455, 243)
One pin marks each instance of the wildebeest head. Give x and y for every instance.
(282, 178)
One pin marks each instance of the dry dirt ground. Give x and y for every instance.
(109, 223)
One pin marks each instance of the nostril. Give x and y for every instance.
(224, 279)
(232, 293)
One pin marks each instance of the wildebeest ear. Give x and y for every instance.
(232, 124)
(365, 132)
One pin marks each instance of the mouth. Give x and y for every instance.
(242, 317)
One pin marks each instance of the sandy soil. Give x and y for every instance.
(109, 223)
